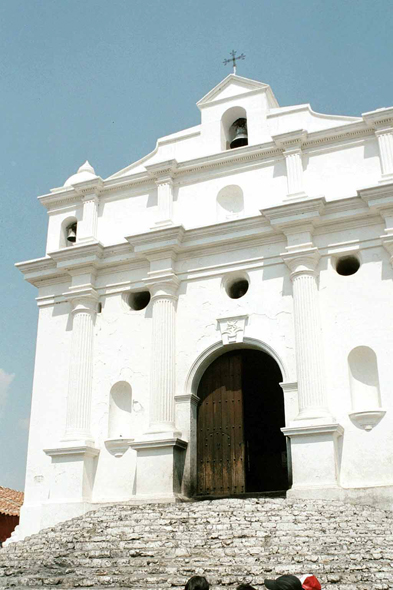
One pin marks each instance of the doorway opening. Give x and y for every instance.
(240, 447)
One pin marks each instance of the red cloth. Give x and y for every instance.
(310, 582)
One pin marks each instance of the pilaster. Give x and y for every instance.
(291, 144)
(89, 192)
(381, 121)
(163, 174)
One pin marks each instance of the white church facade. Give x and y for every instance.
(215, 319)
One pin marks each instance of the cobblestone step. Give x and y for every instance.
(229, 541)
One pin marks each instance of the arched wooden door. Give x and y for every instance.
(240, 446)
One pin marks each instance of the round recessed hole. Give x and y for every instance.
(139, 300)
(237, 288)
(347, 265)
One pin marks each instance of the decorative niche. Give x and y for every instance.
(119, 420)
(365, 392)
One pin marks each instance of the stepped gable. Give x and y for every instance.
(229, 541)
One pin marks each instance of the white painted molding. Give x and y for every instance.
(232, 328)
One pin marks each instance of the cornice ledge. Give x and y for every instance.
(35, 264)
(378, 197)
(334, 429)
(379, 118)
(166, 168)
(126, 181)
(95, 185)
(160, 240)
(39, 270)
(328, 135)
(227, 157)
(292, 215)
(64, 196)
(82, 448)
(233, 230)
(87, 254)
(67, 195)
(159, 443)
(291, 139)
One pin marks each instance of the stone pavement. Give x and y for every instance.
(348, 547)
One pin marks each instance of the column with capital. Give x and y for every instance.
(74, 457)
(78, 416)
(308, 334)
(161, 451)
(314, 434)
(162, 376)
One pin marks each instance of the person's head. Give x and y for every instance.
(245, 587)
(288, 582)
(197, 583)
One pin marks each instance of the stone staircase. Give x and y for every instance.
(229, 541)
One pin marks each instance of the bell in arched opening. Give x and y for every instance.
(239, 133)
(71, 233)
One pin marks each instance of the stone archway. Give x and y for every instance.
(240, 447)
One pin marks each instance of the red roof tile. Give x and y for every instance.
(10, 501)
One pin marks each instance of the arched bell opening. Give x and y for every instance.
(69, 230)
(240, 446)
(234, 132)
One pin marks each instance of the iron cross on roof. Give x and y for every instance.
(233, 60)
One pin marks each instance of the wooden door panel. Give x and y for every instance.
(221, 448)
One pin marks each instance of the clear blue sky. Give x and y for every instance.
(102, 79)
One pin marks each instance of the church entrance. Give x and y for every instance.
(241, 448)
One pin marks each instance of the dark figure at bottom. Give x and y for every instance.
(284, 583)
(197, 583)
